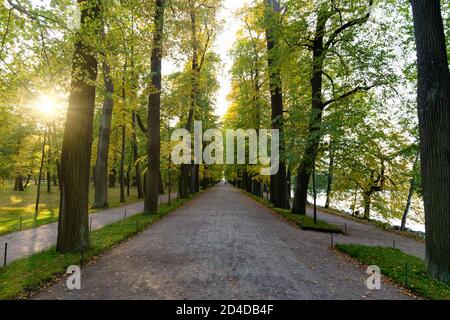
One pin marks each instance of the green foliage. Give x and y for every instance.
(392, 263)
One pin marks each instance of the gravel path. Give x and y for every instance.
(25, 243)
(223, 245)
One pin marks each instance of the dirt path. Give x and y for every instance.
(223, 245)
(25, 243)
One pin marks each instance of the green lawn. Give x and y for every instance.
(392, 263)
(14, 205)
(23, 276)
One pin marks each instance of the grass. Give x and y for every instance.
(392, 263)
(15, 204)
(23, 276)
(303, 222)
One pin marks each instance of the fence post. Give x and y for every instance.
(6, 254)
(406, 274)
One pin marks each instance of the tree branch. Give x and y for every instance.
(348, 94)
(348, 25)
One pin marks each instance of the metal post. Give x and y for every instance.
(90, 225)
(125, 214)
(6, 254)
(393, 244)
(406, 274)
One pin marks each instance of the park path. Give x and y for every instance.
(223, 245)
(370, 235)
(24, 243)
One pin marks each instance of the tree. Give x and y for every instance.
(279, 193)
(320, 46)
(154, 115)
(73, 226)
(434, 122)
(101, 165)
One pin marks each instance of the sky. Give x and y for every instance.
(224, 43)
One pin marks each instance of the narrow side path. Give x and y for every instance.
(223, 245)
(370, 235)
(28, 242)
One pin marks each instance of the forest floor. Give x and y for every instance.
(224, 245)
(27, 242)
(21, 204)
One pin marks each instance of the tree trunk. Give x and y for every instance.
(434, 123)
(73, 226)
(49, 161)
(161, 184)
(154, 115)
(101, 165)
(367, 204)
(187, 174)
(124, 138)
(315, 122)
(412, 187)
(137, 165)
(330, 178)
(278, 182)
(41, 169)
(18, 186)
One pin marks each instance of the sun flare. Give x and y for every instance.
(47, 106)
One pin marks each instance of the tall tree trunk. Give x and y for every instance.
(124, 138)
(137, 165)
(41, 169)
(330, 177)
(412, 188)
(315, 121)
(49, 161)
(161, 184)
(279, 192)
(367, 204)
(187, 176)
(73, 226)
(101, 165)
(434, 122)
(154, 115)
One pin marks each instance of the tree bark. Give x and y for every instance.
(315, 121)
(330, 177)
(124, 138)
(73, 226)
(367, 204)
(41, 169)
(154, 115)
(18, 185)
(278, 182)
(137, 165)
(101, 166)
(434, 123)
